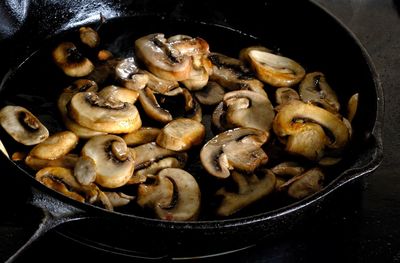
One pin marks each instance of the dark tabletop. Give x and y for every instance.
(361, 224)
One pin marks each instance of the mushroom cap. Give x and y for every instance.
(275, 70)
(161, 58)
(129, 74)
(141, 136)
(181, 134)
(111, 116)
(113, 92)
(151, 106)
(71, 61)
(211, 94)
(114, 162)
(216, 161)
(184, 203)
(22, 125)
(55, 146)
(245, 108)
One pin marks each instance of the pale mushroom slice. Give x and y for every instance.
(89, 36)
(130, 76)
(285, 171)
(315, 89)
(303, 185)
(275, 70)
(185, 200)
(116, 93)
(352, 106)
(118, 199)
(285, 94)
(66, 161)
(161, 58)
(231, 74)
(250, 189)
(55, 146)
(111, 116)
(151, 157)
(62, 180)
(242, 145)
(181, 134)
(297, 116)
(141, 136)
(22, 125)
(245, 108)
(85, 170)
(68, 58)
(211, 94)
(114, 161)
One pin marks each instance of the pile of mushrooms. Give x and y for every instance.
(123, 145)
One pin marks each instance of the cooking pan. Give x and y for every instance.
(301, 30)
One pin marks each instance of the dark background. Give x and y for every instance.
(361, 224)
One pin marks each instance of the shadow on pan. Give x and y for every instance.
(304, 32)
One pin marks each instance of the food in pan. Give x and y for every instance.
(145, 130)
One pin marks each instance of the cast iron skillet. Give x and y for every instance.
(299, 29)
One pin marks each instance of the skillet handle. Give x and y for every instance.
(55, 213)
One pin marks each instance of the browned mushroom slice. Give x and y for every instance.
(246, 108)
(114, 161)
(67, 161)
(89, 36)
(250, 189)
(352, 106)
(71, 61)
(189, 46)
(215, 153)
(285, 171)
(55, 146)
(22, 125)
(104, 55)
(111, 116)
(275, 70)
(295, 117)
(199, 75)
(129, 74)
(211, 94)
(218, 118)
(231, 74)
(112, 93)
(62, 180)
(150, 156)
(161, 58)
(181, 134)
(305, 184)
(184, 204)
(315, 89)
(244, 53)
(150, 105)
(160, 85)
(284, 95)
(141, 136)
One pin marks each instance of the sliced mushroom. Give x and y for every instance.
(160, 85)
(111, 116)
(315, 89)
(161, 58)
(231, 74)
(246, 108)
(71, 61)
(119, 199)
(199, 74)
(296, 114)
(275, 70)
(305, 184)
(189, 46)
(55, 146)
(66, 161)
(104, 55)
(186, 196)
(141, 136)
(114, 161)
(352, 107)
(181, 134)
(211, 94)
(290, 169)
(250, 189)
(62, 180)
(152, 108)
(243, 142)
(284, 95)
(129, 74)
(22, 125)
(218, 118)
(89, 36)
(244, 53)
(156, 166)
(85, 170)
(115, 93)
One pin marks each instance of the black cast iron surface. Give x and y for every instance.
(359, 225)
